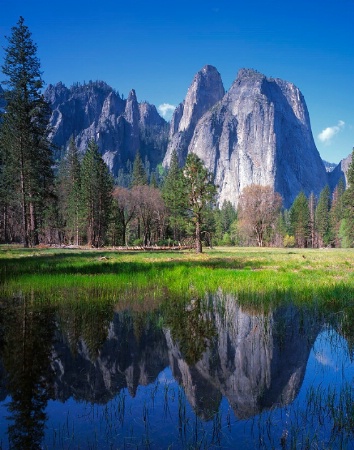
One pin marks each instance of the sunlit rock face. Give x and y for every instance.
(258, 133)
(340, 172)
(257, 360)
(205, 91)
(119, 127)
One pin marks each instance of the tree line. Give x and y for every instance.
(79, 202)
(326, 221)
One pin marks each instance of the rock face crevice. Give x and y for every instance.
(258, 133)
(204, 92)
(339, 172)
(119, 127)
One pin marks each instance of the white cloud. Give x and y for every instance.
(166, 110)
(327, 134)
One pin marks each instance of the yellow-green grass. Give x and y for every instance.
(115, 276)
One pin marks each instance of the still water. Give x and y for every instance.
(202, 373)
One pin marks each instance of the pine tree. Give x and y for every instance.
(153, 181)
(312, 223)
(348, 200)
(322, 217)
(337, 212)
(69, 193)
(224, 217)
(139, 177)
(175, 197)
(300, 220)
(24, 145)
(96, 195)
(201, 192)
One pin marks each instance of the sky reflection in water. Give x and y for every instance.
(207, 373)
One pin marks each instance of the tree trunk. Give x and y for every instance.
(124, 234)
(198, 241)
(77, 225)
(5, 223)
(24, 212)
(33, 225)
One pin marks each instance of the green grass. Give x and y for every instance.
(118, 276)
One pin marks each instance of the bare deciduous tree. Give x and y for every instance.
(150, 211)
(125, 202)
(258, 211)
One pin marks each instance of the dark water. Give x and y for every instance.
(203, 373)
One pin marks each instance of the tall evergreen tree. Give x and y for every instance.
(348, 199)
(299, 220)
(224, 217)
(69, 193)
(201, 192)
(175, 197)
(24, 145)
(139, 177)
(96, 195)
(322, 217)
(312, 223)
(337, 212)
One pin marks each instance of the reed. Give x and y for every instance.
(273, 274)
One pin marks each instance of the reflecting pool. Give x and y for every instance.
(199, 373)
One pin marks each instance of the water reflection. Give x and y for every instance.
(256, 360)
(26, 354)
(211, 365)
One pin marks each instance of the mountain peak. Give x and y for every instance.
(132, 96)
(250, 74)
(204, 92)
(258, 133)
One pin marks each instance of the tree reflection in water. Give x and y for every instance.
(26, 351)
(191, 374)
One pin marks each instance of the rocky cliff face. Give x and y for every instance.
(340, 171)
(120, 127)
(204, 92)
(259, 133)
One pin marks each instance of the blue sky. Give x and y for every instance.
(156, 47)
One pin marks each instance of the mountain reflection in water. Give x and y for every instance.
(231, 362)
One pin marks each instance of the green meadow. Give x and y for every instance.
(69, 296)
(106, 275)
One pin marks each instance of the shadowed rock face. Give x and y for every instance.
(339, 172)
(259, 133)
(124, 361)
(120, 127)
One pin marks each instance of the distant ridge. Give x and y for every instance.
(258, 132)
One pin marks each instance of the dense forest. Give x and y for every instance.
(77, 202)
